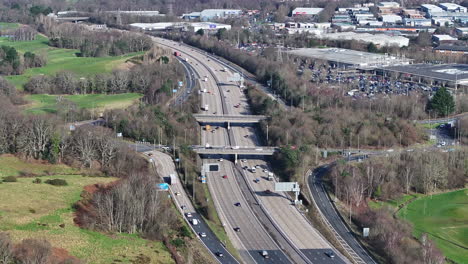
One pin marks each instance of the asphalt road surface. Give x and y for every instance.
(328, 210)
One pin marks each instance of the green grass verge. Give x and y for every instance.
(61, 59)
(23, 205)
(44, 103)
(444, 217)
(431, 126)
(12, 166)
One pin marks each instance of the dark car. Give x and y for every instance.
(330, 254)
(237, 229)
(237, 204)
(219, 254)
(268, 192)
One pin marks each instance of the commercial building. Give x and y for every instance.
(417, 22)
(429, 9)
(207, 26)
(388, 5)
(404, 30)
(412, 13)
(346, 58)
(462, 31)
(451, 49)
(442, 22)
(210, 14)
(192, 15)
(391, 19)
(451, 74)
(443, 39)
(306, 11)
(451, 7)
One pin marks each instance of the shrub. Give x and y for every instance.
(185, 231)
(9, 179)
(57, 182)
(178, 242)
(37, 180)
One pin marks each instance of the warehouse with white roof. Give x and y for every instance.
(306, 11)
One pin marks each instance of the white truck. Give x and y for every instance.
(172, 179)
(270, 176)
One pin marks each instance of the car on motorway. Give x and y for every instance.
(225, 176)
(264, 254)
(257, 180)
(268, 191)
(177, 193)
(219, 254)
(244, 160)
(237, 204)
(221, 160)
(188, 215)
(237, 229)
(202, 234)
(194, 222)
(183, 207)
(330, 254)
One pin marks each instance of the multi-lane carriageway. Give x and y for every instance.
(305, 243)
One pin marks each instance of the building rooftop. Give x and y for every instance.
(452, 48)
(349, 57)
(444, 37)
(442, 72)
(306, 11)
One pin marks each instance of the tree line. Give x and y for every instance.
(92, 43)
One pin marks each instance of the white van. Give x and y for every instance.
(194, 222)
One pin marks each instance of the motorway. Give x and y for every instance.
(252, 237)
(229, 99)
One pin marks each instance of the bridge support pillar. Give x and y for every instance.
(325, 153)
(228, 125)
(235, 158)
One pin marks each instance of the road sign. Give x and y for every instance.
(286, 187)
(181, 84)
(119, 134)
(174, 90)
(365, 231)
(72, 128)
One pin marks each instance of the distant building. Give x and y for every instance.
(379, 40)
(442, 22)
(451, 7)
(190, 16)
(306, 11)
(417, 22)
(136, 13)
(391, 19)
(450, 49)
(388, 5)
(443, 39)
(462, 31)
(207, 26)
(210, 14)
(183, 26)
(429, 9)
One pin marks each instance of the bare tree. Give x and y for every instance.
(32, 251)
(6, 248)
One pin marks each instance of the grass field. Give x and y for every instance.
(44, 103)
(393, 203)
(444, 217)
(23, 205)
(61, 59)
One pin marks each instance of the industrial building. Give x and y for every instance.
(379, 40)
(462, 31)
(391, 19)
(136, 13)
(306, 11)
(346, 58)
(451, 49)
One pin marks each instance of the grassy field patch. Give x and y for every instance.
(44, 103)
(29, 210)
(395, 202)
(12, 166)
(444, 217)
(61, 59)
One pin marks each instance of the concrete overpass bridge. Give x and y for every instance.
(222, 150)
(230, 119)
